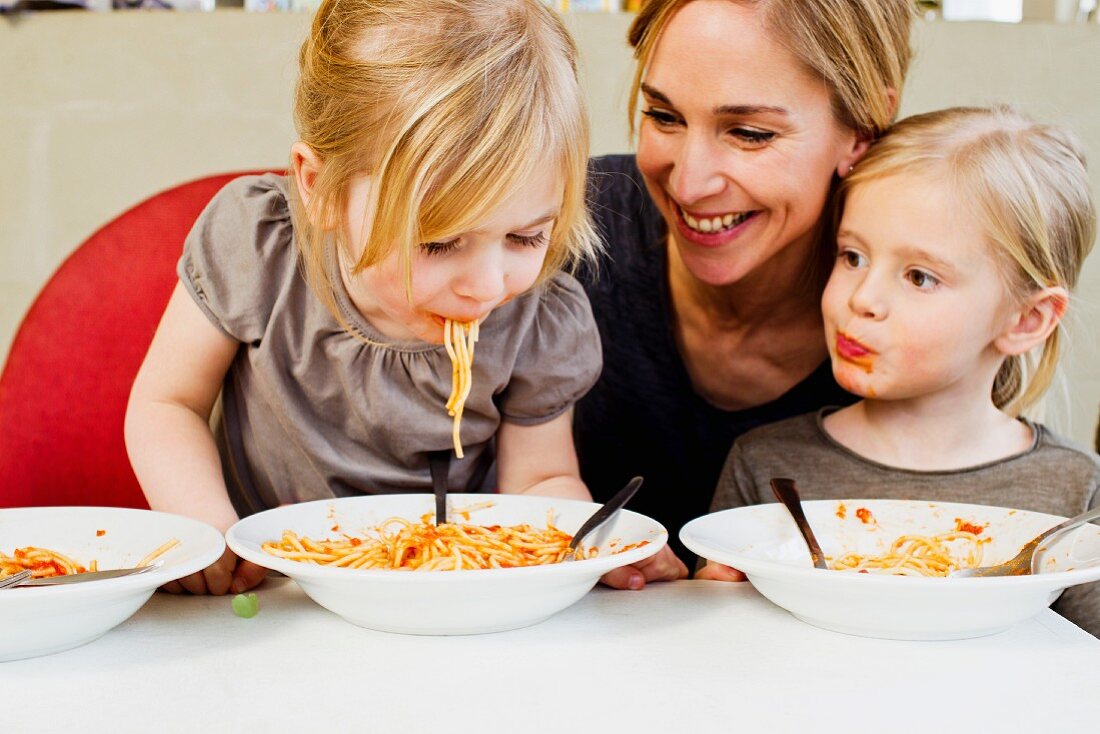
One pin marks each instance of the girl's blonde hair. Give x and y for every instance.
(449, 106)
(1027, 186)
(860, 48)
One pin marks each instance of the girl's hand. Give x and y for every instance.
(227, 574)
(717, 572)
(663, 566)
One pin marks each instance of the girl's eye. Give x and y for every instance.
(922, 280)
(663, 118)
(439, 248)
(852, 259)
(535, 240)
(751, 138)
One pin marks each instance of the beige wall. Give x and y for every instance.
(97, 111)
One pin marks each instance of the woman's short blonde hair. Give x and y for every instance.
(860, 48)
(1026, 184)
(449, 106)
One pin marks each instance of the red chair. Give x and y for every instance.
(64, 389)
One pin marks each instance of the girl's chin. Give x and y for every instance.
(854, 381)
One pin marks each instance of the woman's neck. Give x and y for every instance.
(929, 435)
(748, 343)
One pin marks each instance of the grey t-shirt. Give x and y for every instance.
(1053, 476)
(311, 411)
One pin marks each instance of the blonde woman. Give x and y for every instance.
(963, 232)
(708, 300)
(436, 194)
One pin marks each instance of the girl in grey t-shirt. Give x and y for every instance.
(440, 176)
(962, 233)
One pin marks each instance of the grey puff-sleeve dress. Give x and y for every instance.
(310, 411)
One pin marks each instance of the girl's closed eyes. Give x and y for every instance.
(442, 248)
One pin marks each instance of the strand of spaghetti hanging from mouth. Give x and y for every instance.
(459, 338)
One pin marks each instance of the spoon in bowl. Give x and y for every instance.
(1023, 563)
(787, 493)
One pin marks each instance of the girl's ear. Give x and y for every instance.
(863, 142)
(1031, 324)
(305, 166)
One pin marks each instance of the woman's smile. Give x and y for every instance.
(711, 229)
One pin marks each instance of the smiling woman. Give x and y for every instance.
(749, 115)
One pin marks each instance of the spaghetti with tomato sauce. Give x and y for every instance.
(398, 544)
(41, 562)
(920, 555)
(46, 563)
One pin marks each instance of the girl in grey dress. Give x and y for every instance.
(961, 235)
(440, 176)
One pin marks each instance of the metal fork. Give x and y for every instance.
(601, 515)
(14, 579)
(74, 578)
(1023, 563)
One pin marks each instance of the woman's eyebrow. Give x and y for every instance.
(651, 92)
(743, 110)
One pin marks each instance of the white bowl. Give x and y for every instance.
(763, 542)
(445, 602)
(45, 619)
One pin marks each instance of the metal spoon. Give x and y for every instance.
(601, 515)
(1022, 564)
(787, 493)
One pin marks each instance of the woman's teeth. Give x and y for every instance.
(708, 225)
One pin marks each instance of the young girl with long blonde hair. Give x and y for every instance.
(962, 233)
(433, 201)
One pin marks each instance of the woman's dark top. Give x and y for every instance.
(643, 416)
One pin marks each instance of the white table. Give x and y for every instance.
(690, 656)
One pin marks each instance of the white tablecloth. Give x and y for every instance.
(690, 656)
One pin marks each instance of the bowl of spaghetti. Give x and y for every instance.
(381, 562)
(53, 541)
(889, 562)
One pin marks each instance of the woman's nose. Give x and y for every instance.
(697, 171)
